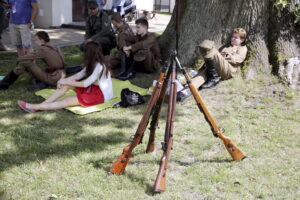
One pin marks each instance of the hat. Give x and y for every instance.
(92, 4)
(207, 45)
(139, 56)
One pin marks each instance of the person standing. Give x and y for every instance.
(98, 29)
(2, 22)
(22, 15)
(117, 6)
(101, 4)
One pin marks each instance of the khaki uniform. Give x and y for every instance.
(51, 56)
(124, 32)
(226, 66)
(148, 48)
(98, 28)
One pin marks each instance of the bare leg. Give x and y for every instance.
(69, 101)
(58, 93)
(28, 50)
(20, 51)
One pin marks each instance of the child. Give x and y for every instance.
(49, 54)
(92, 84)
(220, 64)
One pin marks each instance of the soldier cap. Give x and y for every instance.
(207, 45)
(92, 4)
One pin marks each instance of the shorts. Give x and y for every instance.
(20, 35)
(89, 96)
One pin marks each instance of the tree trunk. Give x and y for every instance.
(271, 35)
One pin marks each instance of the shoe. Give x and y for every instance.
(183, 94)
(127, 76)
(210, 83)
(9, 79)
(38, 85)
(22, 105)
(213, 77)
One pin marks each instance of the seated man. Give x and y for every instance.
(219, 65)
(53, 58)
(119, 58)
(98, 29)
(144, 50)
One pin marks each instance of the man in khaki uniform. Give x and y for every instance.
(144, 49)
(50, 55)
(220, 64)
(123, 31)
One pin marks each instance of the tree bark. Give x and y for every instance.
(266, 26)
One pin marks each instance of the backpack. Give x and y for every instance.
(130, 98)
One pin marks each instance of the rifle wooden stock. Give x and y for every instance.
(161, 179)
(236, 153)
(120, 164)
(155, 117)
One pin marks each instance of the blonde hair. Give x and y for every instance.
(242, 33)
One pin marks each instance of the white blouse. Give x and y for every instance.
(104, 83)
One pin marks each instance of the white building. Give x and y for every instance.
(54, 13)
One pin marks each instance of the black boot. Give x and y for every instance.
(124, 59)
(73, 69)
(8, 80)
(130, 73)
(183, 94)
(213, 77)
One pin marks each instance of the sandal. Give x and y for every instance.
(22, 105)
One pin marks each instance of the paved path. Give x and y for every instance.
(66, 36)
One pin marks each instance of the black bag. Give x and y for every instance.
(130, 98)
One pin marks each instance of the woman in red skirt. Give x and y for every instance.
(92, 84)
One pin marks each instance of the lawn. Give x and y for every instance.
(60, 155)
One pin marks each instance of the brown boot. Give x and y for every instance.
(2, 47)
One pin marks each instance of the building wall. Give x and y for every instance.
(53, 13)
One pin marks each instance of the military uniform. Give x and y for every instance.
(145, 52)
(124, 32)
(98, 28)
(53, 58)
(226, 65)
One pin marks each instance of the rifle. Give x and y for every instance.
(120, 164)
(161, 179)
(236, 153)
(154, 121)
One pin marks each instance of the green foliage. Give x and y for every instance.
(297, 15)
(281, 4)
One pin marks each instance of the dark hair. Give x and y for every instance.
(42, 35)
(116, 17)
(92, 55)
(143, 21)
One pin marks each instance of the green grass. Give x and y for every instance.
(65, 156)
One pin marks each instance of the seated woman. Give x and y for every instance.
(92, 84)
(49, 54)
